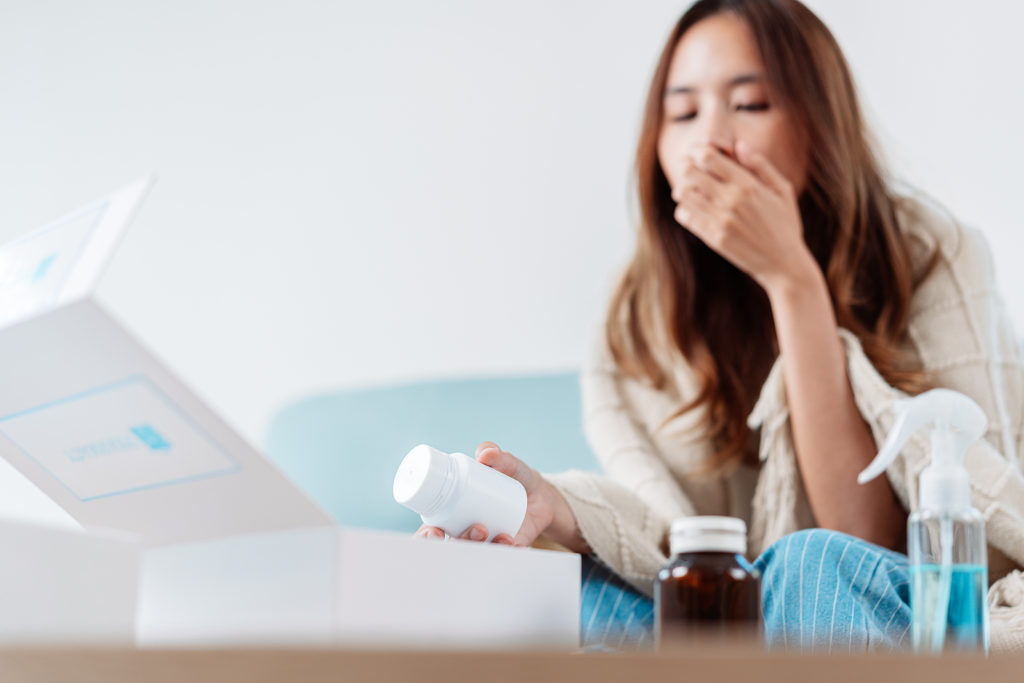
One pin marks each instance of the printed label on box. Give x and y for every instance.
(116, 439)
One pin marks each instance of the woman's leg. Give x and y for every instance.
(613, 615)
(820, 590)
(826, 591)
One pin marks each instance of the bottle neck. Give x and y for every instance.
(945, 489)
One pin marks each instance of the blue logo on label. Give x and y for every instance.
(43, 267)
(151, 437)
(120, 444)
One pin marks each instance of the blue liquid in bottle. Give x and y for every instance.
(966, 617)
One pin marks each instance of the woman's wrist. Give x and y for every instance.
(563, 528)
(803, 277)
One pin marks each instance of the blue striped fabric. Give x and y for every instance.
(821, 591)
(613, 615)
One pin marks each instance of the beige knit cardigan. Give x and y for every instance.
(957, 328)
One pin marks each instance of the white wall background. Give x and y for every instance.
(355, 193)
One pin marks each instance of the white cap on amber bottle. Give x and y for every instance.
(708, 534)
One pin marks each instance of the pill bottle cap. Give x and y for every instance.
(425, 479)
(708, 534)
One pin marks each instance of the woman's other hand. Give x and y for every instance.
(745, 210)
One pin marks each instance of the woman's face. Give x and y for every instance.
(717, 94)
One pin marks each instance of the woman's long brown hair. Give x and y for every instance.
(677, 295)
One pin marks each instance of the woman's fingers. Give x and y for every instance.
(492, 456)
(721, 166)
(698, 215)
(429, 532)
(489, 454)
(763, 168)
(694, 178)
(476, 532)
(485, 446)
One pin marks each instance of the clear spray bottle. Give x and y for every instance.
(945, 535)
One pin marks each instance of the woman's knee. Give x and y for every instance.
(803, 556)
(801, 543)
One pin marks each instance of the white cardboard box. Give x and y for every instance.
(67, 587)
(233, 552)
(359, 588)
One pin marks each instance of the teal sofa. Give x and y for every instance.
(343, 448)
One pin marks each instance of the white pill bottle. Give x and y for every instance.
(453, 492)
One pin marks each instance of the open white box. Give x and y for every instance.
(232, 552)
(330, 585)
(62, 586)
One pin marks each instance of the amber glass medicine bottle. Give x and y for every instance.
(708, 590)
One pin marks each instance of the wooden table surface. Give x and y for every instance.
(55, 665)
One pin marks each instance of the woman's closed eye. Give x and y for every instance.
(753, 107)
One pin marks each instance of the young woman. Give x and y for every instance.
(781, 298)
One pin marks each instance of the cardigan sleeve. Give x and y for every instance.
(622, 529)
(620, 436)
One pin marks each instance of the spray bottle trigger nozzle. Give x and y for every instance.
(948, 412)
(907, 422)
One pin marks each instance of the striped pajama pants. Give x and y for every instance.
(821, 591)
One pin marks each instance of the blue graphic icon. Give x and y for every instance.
(151, 437)
(43, 267)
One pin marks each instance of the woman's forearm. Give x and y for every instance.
(833, 443)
